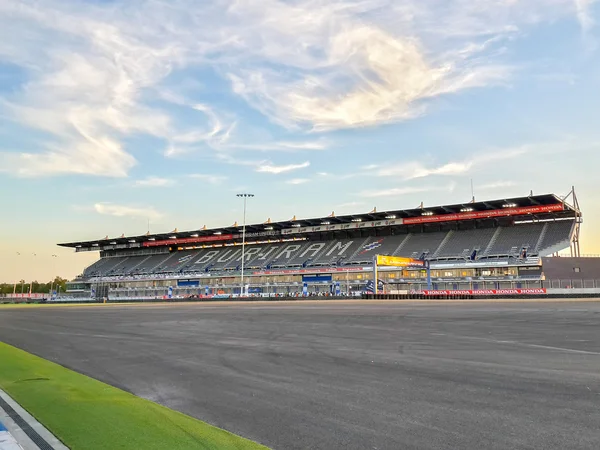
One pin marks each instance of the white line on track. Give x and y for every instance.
(523, 344)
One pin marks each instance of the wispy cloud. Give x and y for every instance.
(275, 169)
(296, 181)
(392, 192)
(112, 209)
(583, 13)
(496, 185)
(416, 169)
(319, 144)
(97, 73)
(154, 182)
(212, 179)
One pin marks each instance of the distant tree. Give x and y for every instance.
(36, 287)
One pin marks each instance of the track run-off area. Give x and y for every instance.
(344, 374)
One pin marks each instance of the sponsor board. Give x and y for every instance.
(27, 295)
(342, 226)
(397, 261)
(213, 238)
(485, 214)
(308, 271)
(539, 291)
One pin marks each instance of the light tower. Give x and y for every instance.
(245, 196)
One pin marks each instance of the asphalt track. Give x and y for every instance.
(468, 375)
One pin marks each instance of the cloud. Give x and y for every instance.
(496, 185)
(393, 192)
(296, 181)
(96, 74)
(212, 179)
(221, 136)
(583, 13)
(274, 169)
(281, 145)
(416, 169)
(111, 209)
(154, 182)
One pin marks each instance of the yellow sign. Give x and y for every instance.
(397, 261)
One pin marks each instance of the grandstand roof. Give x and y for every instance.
(455, 212)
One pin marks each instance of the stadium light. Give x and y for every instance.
(327, 222)
(194, 235)
(509, 205)
(357, 220)
(427, 213)
(466, 210)
(269, 228)
(217, 233)
(245, 196)
(391, 216)
(151, 239)
(296, 225)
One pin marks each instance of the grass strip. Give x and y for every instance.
(87, 414)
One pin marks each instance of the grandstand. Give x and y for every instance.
(497, 241)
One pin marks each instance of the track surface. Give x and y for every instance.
(346, 376)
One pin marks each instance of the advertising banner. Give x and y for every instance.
(484, 292)
(302, 271)
(317, 278)
(397, 261)
(213, 238)
(188, 283)
(342, 226)
(484, 214)
(26, 295)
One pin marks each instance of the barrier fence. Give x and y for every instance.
(470, 288)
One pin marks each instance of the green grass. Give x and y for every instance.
(87, 414)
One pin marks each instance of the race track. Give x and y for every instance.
(470, 375)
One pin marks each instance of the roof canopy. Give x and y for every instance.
(458, 212)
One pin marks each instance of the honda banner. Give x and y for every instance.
(485, 214)
(539, 291)
(194, 240)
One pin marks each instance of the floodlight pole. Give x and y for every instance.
(245, 196)
(375, 276)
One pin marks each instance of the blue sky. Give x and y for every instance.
(113, 113)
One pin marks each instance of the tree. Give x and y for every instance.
(36, 287)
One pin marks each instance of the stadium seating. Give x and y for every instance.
(421, 245)
(463, 244)
(509, 242)
(556, 237)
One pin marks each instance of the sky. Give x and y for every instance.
(116, 115)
